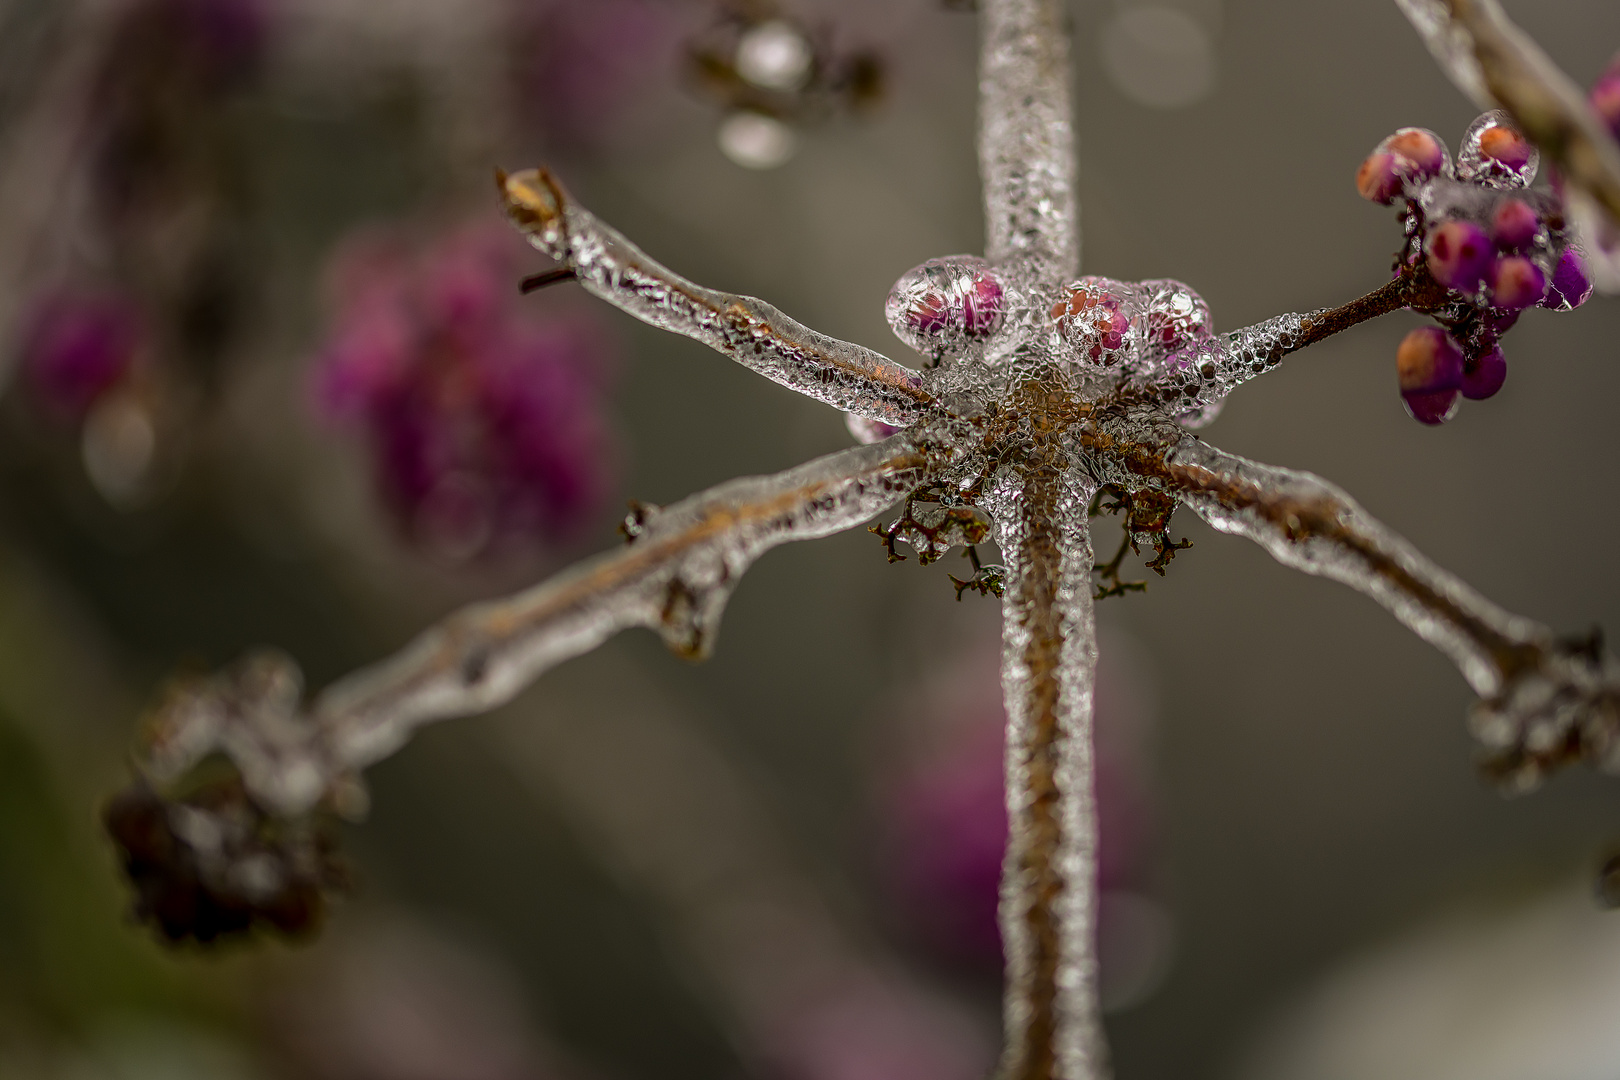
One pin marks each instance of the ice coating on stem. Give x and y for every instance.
(1543, 701)
(1049, 886)
(675, 577)
(750, 331)
(1203, 373)
(1026, 138)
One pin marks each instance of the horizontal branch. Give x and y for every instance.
(1543, 701)
(675, 577)
(749, 331)
(1206, 372)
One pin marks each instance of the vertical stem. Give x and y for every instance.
(1026, 138)
(1049, 883)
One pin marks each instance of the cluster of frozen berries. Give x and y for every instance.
(1483, 234)
(948, 307)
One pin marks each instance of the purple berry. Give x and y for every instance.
(1571, 284)
(1516, 282)
(1091, 317)
(1379, 178)
(945, 304)
(1431, 409)
(1460, 255)
(1421, 151)
(1514, 225)
(1429, 362)
(1484, 375)
(1496, 154)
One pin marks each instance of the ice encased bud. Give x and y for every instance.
(1176, 316)
(1571, 282)
(1496, 154)
(1101, 321)
(945, 304)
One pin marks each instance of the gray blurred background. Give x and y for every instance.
(634, 859)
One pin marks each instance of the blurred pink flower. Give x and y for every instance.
(77, 345)
(946, 816)
(485, 422)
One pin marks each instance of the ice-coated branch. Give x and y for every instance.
(1497, 65)
(1543, 701)
(674, 576)
(1026, 136)
(1208, 370)
(1049, 885)
(750, 331)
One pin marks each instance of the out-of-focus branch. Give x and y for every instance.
(674, 576)
(750, 331)
(1026, 135)
(1499, 66)
(1543, 701)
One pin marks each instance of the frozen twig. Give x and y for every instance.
(675, 577)
(1026, 137)
(1049, 887)
(1543, 701)
(750, 331)
(1497, 65)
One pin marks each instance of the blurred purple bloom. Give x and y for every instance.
(77, 345)
(946, 829)
(485, 423)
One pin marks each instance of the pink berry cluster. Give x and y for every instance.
(1496, 246)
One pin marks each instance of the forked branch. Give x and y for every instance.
(750, 331)
(674, 576)
(1543, 701)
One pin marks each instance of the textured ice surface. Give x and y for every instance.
(750, 331)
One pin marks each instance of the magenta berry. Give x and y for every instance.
(1176, 316)
(1460, 255)
(1514, 225)
(1516, 282)
(1571, 283)
(1495, 153)
(1429, 361)
(1091, 316)
(1432, 409)
(1484, 375)
(946, 304)
(1430, 366)
(1421, 151)
(1379, 178)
